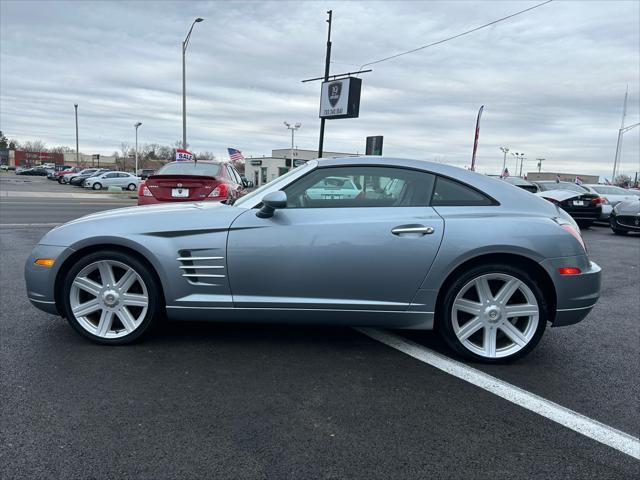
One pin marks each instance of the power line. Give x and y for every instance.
(455, 36)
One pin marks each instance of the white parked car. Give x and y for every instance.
(125, 180)
(613, 194)
(333, 188)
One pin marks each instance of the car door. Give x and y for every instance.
(109, 179)
(369, 252)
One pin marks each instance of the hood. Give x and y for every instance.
(628, 208)
(170, 219)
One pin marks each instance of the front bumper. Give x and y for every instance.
(576, 294)
(40, 280)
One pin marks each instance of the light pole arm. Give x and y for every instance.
(186, 40)
(626, 129)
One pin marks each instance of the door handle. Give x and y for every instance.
(412, 229)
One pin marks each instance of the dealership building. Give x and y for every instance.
(261, 170)
(564, 177)
(21, 158)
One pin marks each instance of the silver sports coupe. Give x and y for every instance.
(421, 246)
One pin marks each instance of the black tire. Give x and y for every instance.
(584, 223)
(444, 322)
(97, 186)
(155, 309)
(131, 187)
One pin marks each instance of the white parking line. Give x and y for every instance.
(588, 427)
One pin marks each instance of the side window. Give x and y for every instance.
(111, 175)
(123, 175)
(236, 175)
(448, 192)
(361, 186)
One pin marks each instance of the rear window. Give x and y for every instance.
(611, 190)
(190, 168)
(448, 192)
(572, 187)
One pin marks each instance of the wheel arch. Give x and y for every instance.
(530, 266)
(79, 253)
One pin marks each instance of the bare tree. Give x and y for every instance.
(34, 146)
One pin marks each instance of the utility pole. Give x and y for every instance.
(77, 151)
(293, 129)
(136, 152)
(184, 83)
(540, 160)
(326, 78)
(505, 150)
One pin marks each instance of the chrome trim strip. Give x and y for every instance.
(302, 309)
(188, 267)
(572, 309)
(198, 258)
(198, 275)
(41, 301)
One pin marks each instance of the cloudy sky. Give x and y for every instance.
(552, 80)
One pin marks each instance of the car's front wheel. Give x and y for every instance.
(493, 314)
(110, 297)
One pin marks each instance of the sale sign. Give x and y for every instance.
(183, 155)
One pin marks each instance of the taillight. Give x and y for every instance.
(143, 191)
(569, 271)
(220, 191)
(600, 200)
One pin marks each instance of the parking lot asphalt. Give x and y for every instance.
(249, 401)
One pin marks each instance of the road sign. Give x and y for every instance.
(374, 145)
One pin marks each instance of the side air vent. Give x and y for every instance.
(199, 267)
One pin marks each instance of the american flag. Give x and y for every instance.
(578, 181)
(505, 173)
(557, 178)
(235, 155)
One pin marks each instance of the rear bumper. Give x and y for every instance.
(154, 201)
(576, 294)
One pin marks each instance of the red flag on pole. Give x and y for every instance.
(475, 141)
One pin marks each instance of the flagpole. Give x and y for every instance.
(475, 141)
(327, 64)
(619, 143)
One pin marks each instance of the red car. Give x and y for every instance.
(58, 175)
(191, 182)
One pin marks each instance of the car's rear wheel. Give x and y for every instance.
(110, 297)
(97, 186)
(493, 314)
(131, 187)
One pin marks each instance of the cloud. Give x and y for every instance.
(552, 80)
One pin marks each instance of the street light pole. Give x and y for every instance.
(75, 105)
(505, 150)
(184, 83)
(293, 129)
(540, 160)
(136, 152)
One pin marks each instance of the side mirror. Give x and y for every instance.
(271, 202)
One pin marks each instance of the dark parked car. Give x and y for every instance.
(145, 173)
(585, 207)
(78, 180)
(625, 217)
(522, 183)
(191, 182)
(34, 171)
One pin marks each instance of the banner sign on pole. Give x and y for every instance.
(340, 98)
(475, 139)
(183, 155)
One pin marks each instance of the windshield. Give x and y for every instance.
(611, 190)
(562, 186)
(258, 191)
(190, 168)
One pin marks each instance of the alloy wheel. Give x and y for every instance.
(109, 299)
(495, 315)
